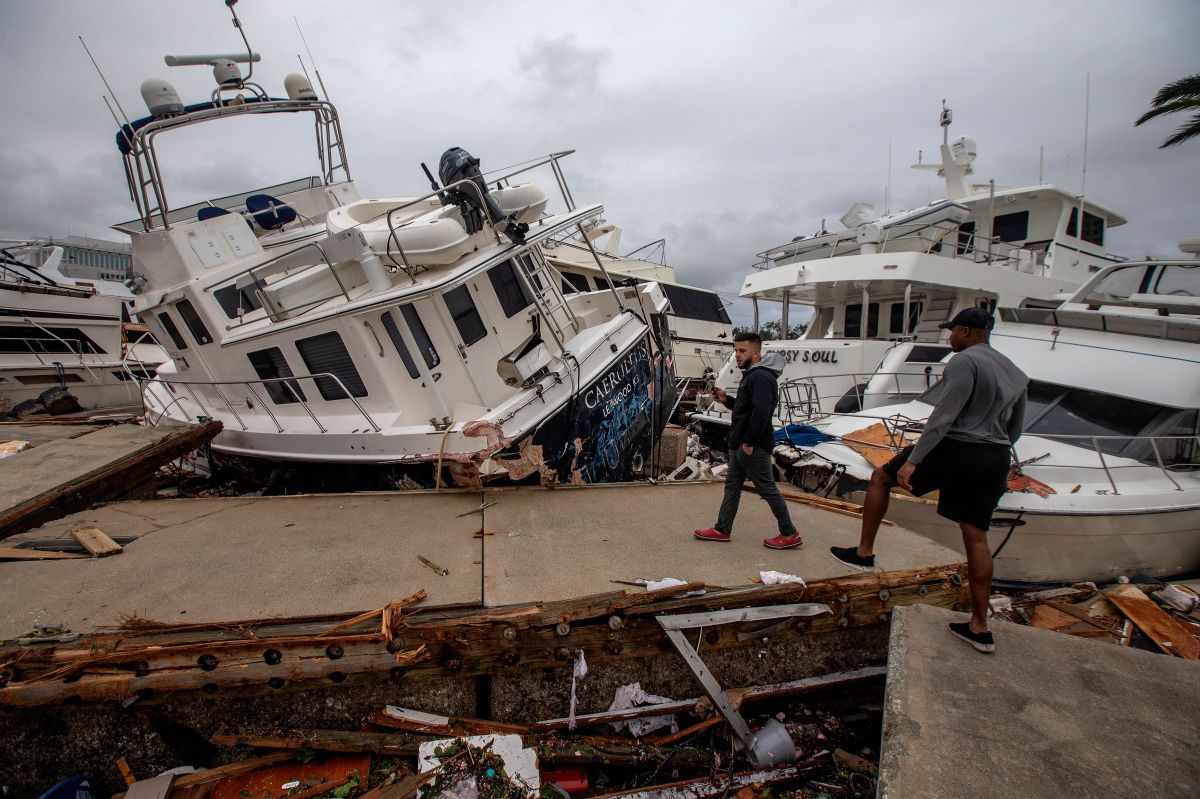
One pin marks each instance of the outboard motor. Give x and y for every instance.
(457, 164)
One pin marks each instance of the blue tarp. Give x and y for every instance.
(801, 435)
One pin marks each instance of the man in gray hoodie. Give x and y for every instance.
(751, 440)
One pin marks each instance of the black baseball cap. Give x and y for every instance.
(970, 317)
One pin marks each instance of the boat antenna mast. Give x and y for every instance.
(225, 65)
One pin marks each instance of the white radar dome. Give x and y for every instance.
(298, 87)
(161, 98)
(226, 71)
(964, 150)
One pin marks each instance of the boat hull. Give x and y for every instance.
(1069, 548)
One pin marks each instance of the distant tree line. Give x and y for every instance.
(770, 330)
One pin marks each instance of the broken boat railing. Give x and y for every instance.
(297, 397)
(74, 347)
(800, 400)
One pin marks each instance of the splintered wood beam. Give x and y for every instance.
(94, 540)
(9, 553)
(108, 482)
(324, 740)
(415, 721)
(1167, 634)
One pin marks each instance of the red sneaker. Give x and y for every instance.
(712, 534)
(783, 542)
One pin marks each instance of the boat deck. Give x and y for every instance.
(223, 559)
(1046, 715)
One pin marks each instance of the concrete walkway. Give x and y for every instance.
(1047, 715)
(241, 558)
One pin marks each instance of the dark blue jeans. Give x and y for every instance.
(758, 468)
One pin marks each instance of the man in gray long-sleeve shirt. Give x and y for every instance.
(964, 453)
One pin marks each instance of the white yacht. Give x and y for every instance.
(1111, 447)
(65, 333)
(425, 334)
(879, 289)
(701, 331)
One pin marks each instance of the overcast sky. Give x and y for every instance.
(725, 127)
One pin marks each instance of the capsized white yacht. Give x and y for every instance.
(58, 332)
(879, 289)
(1110, 455)
(701, 331)
(426, 335)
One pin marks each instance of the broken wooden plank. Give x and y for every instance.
(96, 542)
(833, 506)
(378, 612)
(109, 480)
(231, 770)
(154, 788)
(11, 553)
(1167, 634)
(1046, 617)
(324, 740)
(126, 772)
(402, 718)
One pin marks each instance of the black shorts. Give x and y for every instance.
(971, 478)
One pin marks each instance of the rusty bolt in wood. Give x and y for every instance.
(562, 628)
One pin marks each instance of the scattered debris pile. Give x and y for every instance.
(1147, 614)
(398, 752)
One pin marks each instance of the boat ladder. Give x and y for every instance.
(547, 294)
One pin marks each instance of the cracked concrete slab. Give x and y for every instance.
(1048, 714)
(225, 559)
(551, 544)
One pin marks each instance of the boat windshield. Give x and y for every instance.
(1117, 425)
(1119, 285)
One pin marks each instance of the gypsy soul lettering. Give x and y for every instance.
(612, 381)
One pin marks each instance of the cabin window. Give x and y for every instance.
(510, 290)
(1178, 281)
(235, 302)
(896, 324)
(927, 353)
(18, 339)
(465, 314)
(168, 324)
(326, 354)
(389, 324)
(269, 364)
(578, 281)
(194, 322)
(853, 326)
(602, 284)
(1093, 227)
(692, 303)
(419, 334)
(966, 238)
(1011, 227)
(1092, 413)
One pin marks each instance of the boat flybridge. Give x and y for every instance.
(879, 289)
(1110, 454)
(425, 334)
(63, 333)
(701, 331)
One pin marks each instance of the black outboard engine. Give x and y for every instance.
(457, 164)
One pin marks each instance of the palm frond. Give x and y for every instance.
(1181, 89)
(1188, 130)
(1169, 108)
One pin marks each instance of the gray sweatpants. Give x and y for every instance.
(758, 468)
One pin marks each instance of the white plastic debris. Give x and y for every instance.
(668, 582)
(1000, 603)
(1179, 597)
(632, 695)
(719, 471)
(520, 763)
(578, 672)
(779, 578)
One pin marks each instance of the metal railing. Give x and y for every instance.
(74, 347)
(801, 403)
(297, 397)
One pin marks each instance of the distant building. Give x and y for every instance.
(92, 259)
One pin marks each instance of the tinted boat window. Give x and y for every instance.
(194, 322)
(578, 281)
(853, 325)
(326, 354)
(692, 303)
(466, 316)
(419, 334)
(1178, 281)
(1091, 413)
(389, 324)
(1011, 227)
(168, 324)
(270, 363)
(509, 289)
